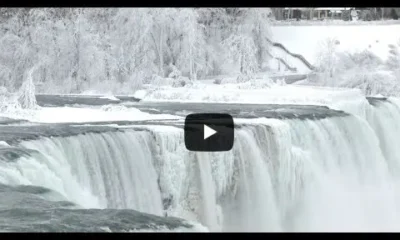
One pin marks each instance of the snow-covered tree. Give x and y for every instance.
(259, 22)
(394, 56)
(26, 94)
(242, 50)
(327, 58)
(393, 61)
(192, 57)
(117, 50)
(248, 43)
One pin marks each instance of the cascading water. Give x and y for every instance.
(332, 174)
(254, 207)
(107, 170)
(384, 117)
(346, 184)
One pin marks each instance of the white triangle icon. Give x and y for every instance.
(208, 132)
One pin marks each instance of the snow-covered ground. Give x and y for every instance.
(335, 22)
(249, 93)
(306, 39)
(254, 92)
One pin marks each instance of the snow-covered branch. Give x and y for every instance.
(120, 49)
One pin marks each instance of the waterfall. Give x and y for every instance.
(384, 119)
(106, 170)
(254, 208)
(209, 209)
(346, 181)
(332, 174)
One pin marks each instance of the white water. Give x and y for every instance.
(209, 208)
(336, 174)
(255, 207)
(107, 170)
(384, 119)
(346, 184)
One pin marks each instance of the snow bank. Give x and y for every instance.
(238, 93)
(305, 40)
(139, 94)
(349, 100)
(334, 22)
(111, 97)
(71, 114)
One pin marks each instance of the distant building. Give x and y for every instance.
(364, 14)
(295, 13)
(329, 13)
(314, 13)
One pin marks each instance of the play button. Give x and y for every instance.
(209, 132)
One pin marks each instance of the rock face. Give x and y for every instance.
(375, 101)
(29, 209)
